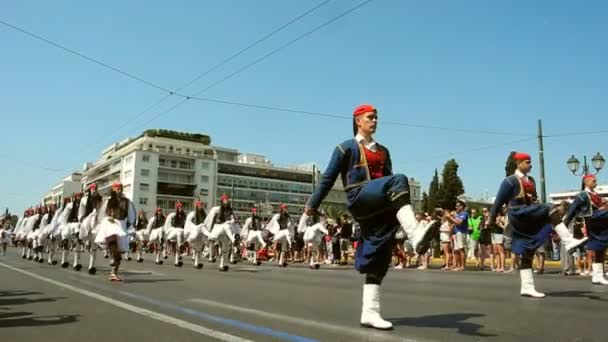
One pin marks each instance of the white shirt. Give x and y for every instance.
(520, 174)
(370, 145)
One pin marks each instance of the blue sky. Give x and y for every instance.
(488, 66)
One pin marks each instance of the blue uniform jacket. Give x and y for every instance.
(511, 191)
(348, 161)
(581, 206)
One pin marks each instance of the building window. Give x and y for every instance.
(145, 158)
(128, 173)
(127, 187)
(129, 159)
(143, 201)
(144, 187)
(204, 179)
(145, 172)
(205, 165)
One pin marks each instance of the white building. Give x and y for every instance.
(415, 194)
(569, 195)
(161, 167)
(65, 188)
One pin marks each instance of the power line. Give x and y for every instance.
(256, 43)
(31, 164)
(476, 149)
(81, 55)
(238, 71)
(572, 134)
(349, 117)
(215, 67)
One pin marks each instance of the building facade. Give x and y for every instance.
(160, 168)
(65, 188)
(569, 195)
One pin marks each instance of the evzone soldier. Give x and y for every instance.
(252, 233)
(531, 222)
(196, 233)
(119, 214)
(89, 214)
(589, 205)
(33, 240)
(69, 232)
(314, 228)
(141, 234)
(282, 227)
(377, 199)
(220, 223)
(174, 228)
(156, 233)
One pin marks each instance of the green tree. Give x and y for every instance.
(434, 193)
(333, 212)
(451, 185)
(510, 165)
(425, 203)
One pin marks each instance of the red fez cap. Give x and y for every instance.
(364, 108)
(117, 185)
(521, 156)
(283, 206)
(224, 197)
(178, 205)
(198, 204)
(93, 186)
(588, 176)
(254, 210)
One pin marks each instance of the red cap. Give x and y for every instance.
(224, 198)
(364, 108)
(198, 204)
(179, 205)
(585, 177)
(159, 210)
(283, 206)
(117, 185)
(521, 156)
(254, 210)
(93, 186)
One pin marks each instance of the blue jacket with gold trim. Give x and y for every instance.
(510, 192)
(348, 161)
(580, 207)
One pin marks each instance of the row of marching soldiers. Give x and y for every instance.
(86, 222)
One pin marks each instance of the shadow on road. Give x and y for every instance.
(577, 294)
(10, 319)
(24, 301)
(144, 281)
(10, 293)
(37, 321)
(447, 321)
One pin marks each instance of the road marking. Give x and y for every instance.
(225, 321)
(369, 335)
(144, 312)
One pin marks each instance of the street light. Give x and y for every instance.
(597, 162)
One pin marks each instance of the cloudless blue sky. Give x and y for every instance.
(483, 65)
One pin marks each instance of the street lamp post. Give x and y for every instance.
(597, 162)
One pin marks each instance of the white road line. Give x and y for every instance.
(144, 312)
(370, 335)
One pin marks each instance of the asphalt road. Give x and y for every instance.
(267, 303)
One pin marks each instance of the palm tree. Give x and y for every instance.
(333, 212)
